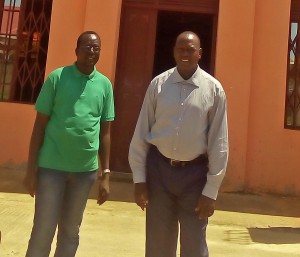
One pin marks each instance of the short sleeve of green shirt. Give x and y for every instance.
(45, 100)
(108, 112)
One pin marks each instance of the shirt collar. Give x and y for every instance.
(193, 80)
(78, 73)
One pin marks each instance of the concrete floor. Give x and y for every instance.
(242, 226)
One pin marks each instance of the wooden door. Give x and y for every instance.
(133, 74)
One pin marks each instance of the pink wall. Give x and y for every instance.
(273, 152)
(64, 30)
(233, 69)
(252, 69)
(100, 16)
(15, 131)
(105, 21)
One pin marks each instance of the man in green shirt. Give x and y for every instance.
(74, 102)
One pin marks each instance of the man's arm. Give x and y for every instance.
(217, 154)
(217, 145)
(36, 142)
(138, 148)
(104, 155)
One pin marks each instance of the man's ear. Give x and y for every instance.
(200, 53)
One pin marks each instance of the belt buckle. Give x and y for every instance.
(176, 163)
(173, 162)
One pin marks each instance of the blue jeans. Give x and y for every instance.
(60, 200)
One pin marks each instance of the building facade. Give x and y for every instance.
(249, 45)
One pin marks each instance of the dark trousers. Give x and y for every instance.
(173, 196)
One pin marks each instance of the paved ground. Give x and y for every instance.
(243, 225)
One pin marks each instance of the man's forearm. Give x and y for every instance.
(36, 141)
(104, 152)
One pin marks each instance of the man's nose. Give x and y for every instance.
(185, 52)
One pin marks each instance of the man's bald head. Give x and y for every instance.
(189, 36)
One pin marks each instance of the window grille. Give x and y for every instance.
(292, 104)
(25, 44)
(10, 12)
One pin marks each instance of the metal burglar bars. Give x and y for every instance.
(292, 103)
(9, 14)
(30, 49)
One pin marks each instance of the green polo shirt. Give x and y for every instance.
(76, 103)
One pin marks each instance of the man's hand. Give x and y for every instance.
(30, 181)
(141, 195)
(205, 207)
(103, 189)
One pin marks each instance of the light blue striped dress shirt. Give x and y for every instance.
(183, 119)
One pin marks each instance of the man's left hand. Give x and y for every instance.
(205, 207)
(103, 189)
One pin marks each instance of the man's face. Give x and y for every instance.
(88, 51)
(187, 52)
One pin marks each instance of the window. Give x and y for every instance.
(292, 104)
(24, 35)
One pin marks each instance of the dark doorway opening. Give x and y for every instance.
(169, 25)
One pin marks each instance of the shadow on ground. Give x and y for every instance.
(122, 190)
(264, 235)
(275, 235)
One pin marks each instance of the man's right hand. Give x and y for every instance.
(29, 182)
(141, 195)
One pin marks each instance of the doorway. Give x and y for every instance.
(171, 24)
(148, 30)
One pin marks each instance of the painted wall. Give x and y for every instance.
(100, 16)
(252, 69)
(15, 130)
(273, 152)
(233, 69)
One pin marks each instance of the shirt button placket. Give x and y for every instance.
(179, 123)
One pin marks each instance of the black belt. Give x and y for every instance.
(202, 158)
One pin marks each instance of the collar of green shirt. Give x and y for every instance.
(77, 72)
